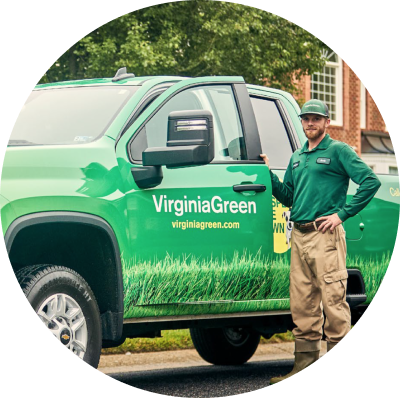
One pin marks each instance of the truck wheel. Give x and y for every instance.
(225, 346)
(67, 306)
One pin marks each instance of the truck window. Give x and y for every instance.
(273, 135)
(220, 101)
(68, 115)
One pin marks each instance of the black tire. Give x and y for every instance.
(40, 283)
(225, 346)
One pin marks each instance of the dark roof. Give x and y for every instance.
(373, 142)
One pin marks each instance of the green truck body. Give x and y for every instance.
(201, 245)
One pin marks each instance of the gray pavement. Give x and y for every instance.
(110, 364)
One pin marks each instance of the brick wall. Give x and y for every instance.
(374, 117)
(350, 130)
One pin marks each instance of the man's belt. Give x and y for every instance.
(307, 227)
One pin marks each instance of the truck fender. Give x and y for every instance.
(112, 318)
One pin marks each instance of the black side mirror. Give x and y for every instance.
(190, 141)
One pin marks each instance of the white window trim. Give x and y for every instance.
(338, 90)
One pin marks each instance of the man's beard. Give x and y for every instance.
(314, 134)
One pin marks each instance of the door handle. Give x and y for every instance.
(258, 188)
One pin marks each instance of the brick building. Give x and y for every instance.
(355, 118)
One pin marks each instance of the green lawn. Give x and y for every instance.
(173, 340)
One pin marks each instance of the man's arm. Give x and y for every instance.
(283, 192)
(360, 174)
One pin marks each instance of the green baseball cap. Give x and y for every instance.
(315, 107)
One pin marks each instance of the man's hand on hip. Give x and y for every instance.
(329, 222)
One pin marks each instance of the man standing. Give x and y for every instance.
(315, 186)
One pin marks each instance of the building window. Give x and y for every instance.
(327, 86)
(393, 170)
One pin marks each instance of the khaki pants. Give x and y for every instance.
(318, 281)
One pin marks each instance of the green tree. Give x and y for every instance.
(195, 38)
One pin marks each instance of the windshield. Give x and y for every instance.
(69, 115)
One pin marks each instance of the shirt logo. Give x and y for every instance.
(325, 161)
(296, 164)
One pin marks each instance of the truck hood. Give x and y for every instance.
(3, 201)
(39, 171)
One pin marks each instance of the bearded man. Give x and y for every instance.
(315, 186)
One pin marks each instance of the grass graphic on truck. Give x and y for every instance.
(253, 283)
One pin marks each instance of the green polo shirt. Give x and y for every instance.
(316, 182)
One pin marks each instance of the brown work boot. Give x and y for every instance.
(301, 361)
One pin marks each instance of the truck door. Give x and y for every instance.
(278, 141)
(204, 233)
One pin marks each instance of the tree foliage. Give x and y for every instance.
(195, 38)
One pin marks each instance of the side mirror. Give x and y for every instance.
(190, 141)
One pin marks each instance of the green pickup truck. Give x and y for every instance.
(132, 205)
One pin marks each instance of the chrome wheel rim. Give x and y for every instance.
(65, 319)
(236, 336)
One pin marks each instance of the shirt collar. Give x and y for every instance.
(323, 145)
